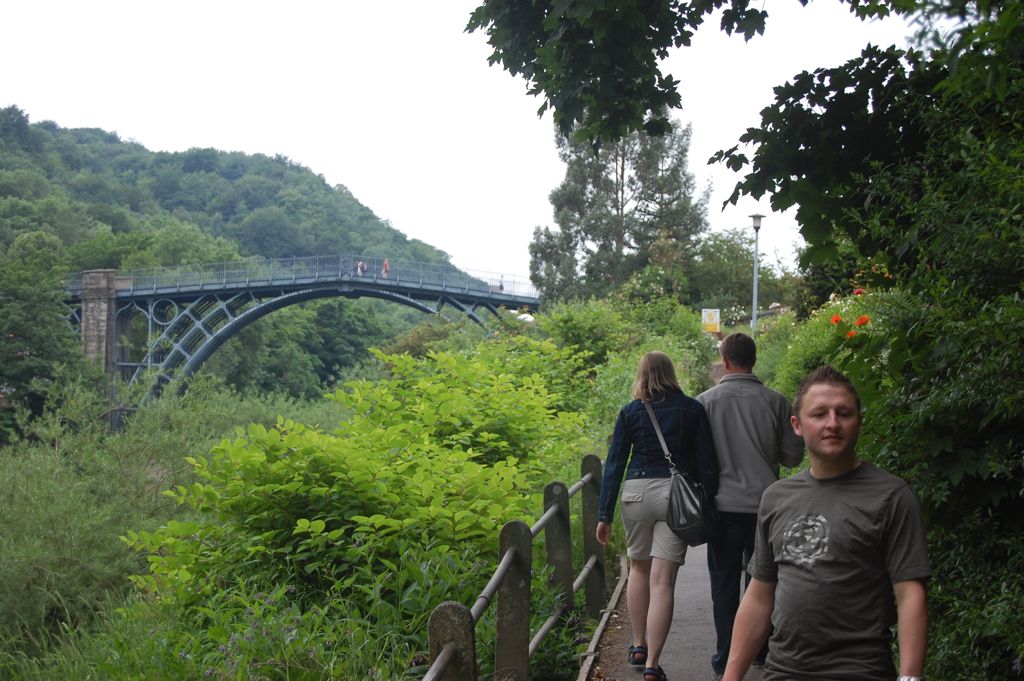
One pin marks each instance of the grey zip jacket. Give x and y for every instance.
(753, 437)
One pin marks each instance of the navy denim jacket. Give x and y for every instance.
(687, 431)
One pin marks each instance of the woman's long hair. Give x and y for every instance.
(655, 377)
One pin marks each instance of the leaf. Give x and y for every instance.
(218, 633)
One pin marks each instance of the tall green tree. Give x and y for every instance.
(35, 337)
(722, 277)
(621, 207)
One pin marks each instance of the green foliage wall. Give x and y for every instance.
(611, 335)
(940, 409)
(593, 328)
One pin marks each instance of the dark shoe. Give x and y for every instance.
(637, 656)
(654, 674)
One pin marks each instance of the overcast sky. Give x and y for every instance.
(389, 98)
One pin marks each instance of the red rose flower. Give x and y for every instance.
(851, 333)
(836, 319)
(862, 320)
(858, 291)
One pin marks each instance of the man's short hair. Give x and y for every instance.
(824, 374)
(740, 350)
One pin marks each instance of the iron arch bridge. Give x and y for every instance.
(191, 310)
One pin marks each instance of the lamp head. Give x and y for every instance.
(756, 217)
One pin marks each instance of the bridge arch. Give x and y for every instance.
(190, 312)
(191, 363)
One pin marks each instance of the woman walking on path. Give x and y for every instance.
(654, 552)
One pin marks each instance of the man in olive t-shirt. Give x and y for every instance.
(840, 557)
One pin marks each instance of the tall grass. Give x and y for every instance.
(69, 488)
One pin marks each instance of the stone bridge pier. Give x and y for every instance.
(99, 317)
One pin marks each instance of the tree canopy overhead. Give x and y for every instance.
(596, 62)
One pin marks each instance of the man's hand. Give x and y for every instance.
(604, 531)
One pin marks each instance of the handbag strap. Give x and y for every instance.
(661, 438)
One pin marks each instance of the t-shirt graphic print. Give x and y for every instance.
(805, 540)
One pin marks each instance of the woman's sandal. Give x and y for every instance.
(654, 674)
(638, 655)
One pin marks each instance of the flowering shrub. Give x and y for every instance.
(827, 336)
(937, 381)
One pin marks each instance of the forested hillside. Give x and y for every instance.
(116, 204)
(86, 199)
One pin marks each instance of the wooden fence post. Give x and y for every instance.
(595, 596)
(558, 538)
(452, 622)
(512, 638)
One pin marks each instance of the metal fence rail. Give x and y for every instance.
(284, 271)
(452, 626)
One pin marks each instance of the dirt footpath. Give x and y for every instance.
(687, 655)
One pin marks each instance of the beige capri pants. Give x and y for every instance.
(644, 509)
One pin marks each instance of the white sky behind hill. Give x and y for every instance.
(389, 98)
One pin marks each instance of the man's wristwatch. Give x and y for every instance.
(910, 678)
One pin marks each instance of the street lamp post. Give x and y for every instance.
(756, 217)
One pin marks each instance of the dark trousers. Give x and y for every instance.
(728, 554)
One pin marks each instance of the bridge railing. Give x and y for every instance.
(285, 271)
(452, 625)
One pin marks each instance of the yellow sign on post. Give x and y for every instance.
(710, 320)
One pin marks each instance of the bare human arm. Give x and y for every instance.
(912, 625)
(753, 623)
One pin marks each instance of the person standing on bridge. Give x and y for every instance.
(655, 552)
(753, 437)
(385, 269)
(840, 557)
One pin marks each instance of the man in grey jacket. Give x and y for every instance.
(750, 424)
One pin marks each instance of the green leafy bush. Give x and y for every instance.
(593, 328)
(975, 600)
(774, 334)
(396, 510)
(298, 505)
(822, 339)
(493, 405)
(614, 379)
